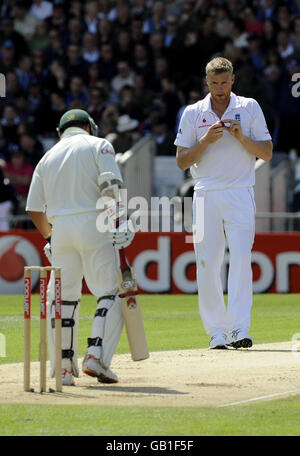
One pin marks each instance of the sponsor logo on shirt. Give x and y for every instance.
(237, 117)
(107, 151)
(205, 125)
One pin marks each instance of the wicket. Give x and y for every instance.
(43, 326)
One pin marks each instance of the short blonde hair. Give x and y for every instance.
(219, 65)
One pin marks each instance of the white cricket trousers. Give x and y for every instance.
(81, 250)
(228, 214)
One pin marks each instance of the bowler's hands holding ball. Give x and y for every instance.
(214, 132)
(233, 127)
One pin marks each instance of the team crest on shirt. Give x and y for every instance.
(238, 117)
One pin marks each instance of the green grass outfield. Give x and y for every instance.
(172, 323)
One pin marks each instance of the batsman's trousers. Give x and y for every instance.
(81, 250)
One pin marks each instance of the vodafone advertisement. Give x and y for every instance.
(163, 262)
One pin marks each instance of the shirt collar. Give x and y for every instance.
(74, 131)
(234, 103)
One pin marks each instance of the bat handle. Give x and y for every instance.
(123, 259)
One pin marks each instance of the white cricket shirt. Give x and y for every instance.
(65, 179)
(225, 163)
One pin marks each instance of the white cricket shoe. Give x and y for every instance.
(92, 366)
(239, 338)
(218, 341)
(67, 378)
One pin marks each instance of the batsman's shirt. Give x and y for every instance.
(65, 180)
(225, 163)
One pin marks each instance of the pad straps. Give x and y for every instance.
(67, 323)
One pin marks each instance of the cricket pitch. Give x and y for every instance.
(187, 378)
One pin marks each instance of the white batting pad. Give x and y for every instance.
(69, 335)
(108, 327)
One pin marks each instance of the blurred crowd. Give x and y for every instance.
(134, 65)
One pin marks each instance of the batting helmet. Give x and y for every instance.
(76, 117)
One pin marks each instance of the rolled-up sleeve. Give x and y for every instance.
(106, 161)
(36, 197)
(186, 135)
(259, 130)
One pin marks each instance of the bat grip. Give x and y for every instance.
(123, 259)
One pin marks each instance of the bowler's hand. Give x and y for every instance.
(234, 128)
(214, 133)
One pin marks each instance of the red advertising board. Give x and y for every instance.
(164, 262)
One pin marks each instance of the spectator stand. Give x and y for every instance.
(146, 60)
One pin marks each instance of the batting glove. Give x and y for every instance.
(47, 251)
(123, 235)
(113, 210)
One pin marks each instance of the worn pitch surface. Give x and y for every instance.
(187, 378)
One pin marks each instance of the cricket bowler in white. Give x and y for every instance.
(219, 139)
(66, 185)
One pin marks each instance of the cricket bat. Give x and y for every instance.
(132, 310)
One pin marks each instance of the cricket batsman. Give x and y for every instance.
(66, 186)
